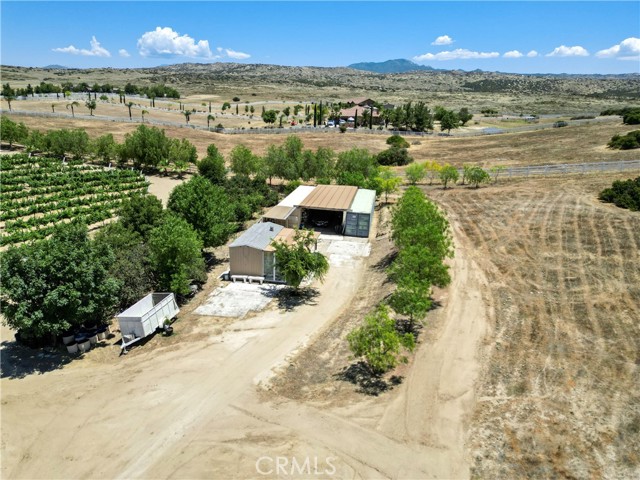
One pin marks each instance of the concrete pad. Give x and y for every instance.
(238, 299)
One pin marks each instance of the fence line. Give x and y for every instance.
(567, 168)
(306, 129)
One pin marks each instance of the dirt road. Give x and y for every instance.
(202, 408)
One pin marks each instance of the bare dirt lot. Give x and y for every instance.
(205, 403)
(559, 394)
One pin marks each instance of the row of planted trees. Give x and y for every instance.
(422, 236)
(146, 147)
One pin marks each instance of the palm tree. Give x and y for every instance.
(209, 118)
(9, 99)
(53, 108)
(129, 105)
(144, 112)
(72, 104)
(187, 114)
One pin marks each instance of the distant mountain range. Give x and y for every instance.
(399, 65)
(56, 67)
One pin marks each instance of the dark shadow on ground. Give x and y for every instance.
(19, 361)
(290, 298)
(386, 261)
(368, 382)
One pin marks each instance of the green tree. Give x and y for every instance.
(209, 119)
(357, 161)
(130, 266)
(141, 214)
(243, 161)
(379, 342)
(411, 299)
(12, 132)
(448, 121)
(269, 116)
(105, 148)
(206, 207)
(212, 167)
(464, 116)
(477, 175)
(449, 173)
(182, 153)
(9, 99)
(296, 261)
(389, 182)
(415, 173)
(143, 113)
(418, 221)
(146, 147)
(496, 170)
(53, 285)
(91, 105)
(175, 255)
(225, 106)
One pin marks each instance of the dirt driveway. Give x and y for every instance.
(203, 405)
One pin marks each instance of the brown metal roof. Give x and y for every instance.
(279, 212)
(287, 235)
(330, 197)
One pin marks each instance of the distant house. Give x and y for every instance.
(347, 113)
(359, 102)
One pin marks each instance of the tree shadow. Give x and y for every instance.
(291, 298)
(367, 381)
(19, 361)
(386, 261)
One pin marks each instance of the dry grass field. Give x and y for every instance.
(573, 144)
(559, 394)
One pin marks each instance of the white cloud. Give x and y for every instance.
(166, 42)
(96, 50)
(532, 54)
(443, 40)
(123, 53)
(457, 54)
(513, 54)
(563, 51)
(236, 55)
(628, 49)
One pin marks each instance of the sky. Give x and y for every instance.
(517, 37)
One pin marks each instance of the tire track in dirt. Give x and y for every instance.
(438, 396)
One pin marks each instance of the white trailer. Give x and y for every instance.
(146, 316)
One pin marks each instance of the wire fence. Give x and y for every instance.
(555, 169)
(308, 129)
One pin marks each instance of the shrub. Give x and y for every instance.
(623, 194)
(397, 141)
(625, 142)
(394, 156)
(559, 124)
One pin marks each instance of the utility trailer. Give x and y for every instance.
(146, 317)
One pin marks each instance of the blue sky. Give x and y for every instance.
(521, 37)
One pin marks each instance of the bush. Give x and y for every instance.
(631, 118)
(623, 194)
(394, 156)
(625, 142)
(397, 141)
(559, 124)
